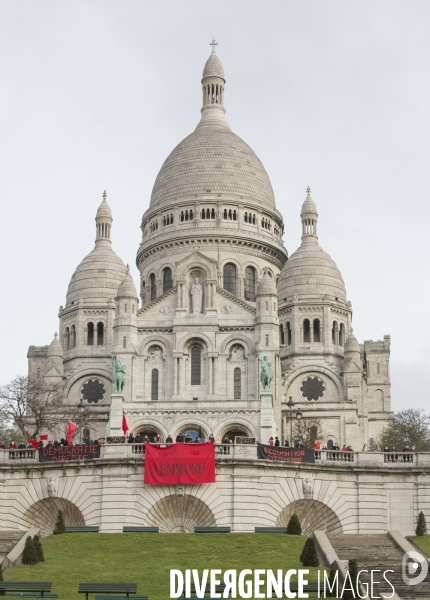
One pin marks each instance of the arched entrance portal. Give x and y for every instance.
(233, 430)
(180, 514)
(193, 430)
(43, 514)
(149, 431)
(313, 515)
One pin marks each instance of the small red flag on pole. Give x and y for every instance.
(71, 427)
(124, 423)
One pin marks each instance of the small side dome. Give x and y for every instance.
(351, 345)
(266, 285)
(127, 287)
(54, 348)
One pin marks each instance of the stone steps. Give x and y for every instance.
(378, 552)
(8, 539)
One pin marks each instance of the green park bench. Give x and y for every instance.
(30, 595)
(16, 588)
(127, 529)
(270, 530)
(212, 529)
(108, 588)
(83, 529)
(110, 597)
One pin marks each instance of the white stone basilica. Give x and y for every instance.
(218, 293)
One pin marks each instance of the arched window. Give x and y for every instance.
(288, 334)
(281, 334)
(230, 278)
(203, 213)
(124, 342)
(67, 339)
(167, 279)
(335, 333)
(86, 433)
(378, 369)
(342, 335)
(196, 365)
(72, 336)
(250, 284)
(317, 330)
(267, 340)
(306, 330)
(38, 373)
(154, 384)
(237, 384)
(100, 334)
(90, 334)
(152, 286)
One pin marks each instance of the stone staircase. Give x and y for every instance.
(8, 540)
(378, 552)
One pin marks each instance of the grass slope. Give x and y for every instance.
(422, 542)
(146, 559)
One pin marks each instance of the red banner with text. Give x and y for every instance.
(179, 463)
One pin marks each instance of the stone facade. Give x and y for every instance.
(364, 496)
(217, 294)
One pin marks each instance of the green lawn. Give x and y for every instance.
(422, 542)
(146, 558)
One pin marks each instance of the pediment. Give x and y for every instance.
(162, 308)
(225, 300)
(196, 260)
(352, 367)
(52, 372)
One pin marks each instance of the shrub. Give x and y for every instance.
(29, 556)
(60, 526)
(309, 556)
(39, 549)
(353, 572)
(421, 525)
(331, 578)
(294, 527)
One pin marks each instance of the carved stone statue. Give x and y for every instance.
(197, 296)
(118, 378)
(53, 487)
(156, 354)
(237, 353)
(308, 488)
(266, 376)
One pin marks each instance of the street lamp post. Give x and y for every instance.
(81, 409)
(290, 405)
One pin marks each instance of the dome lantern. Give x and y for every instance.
(103, 223)
(213, 84)
(309, 215)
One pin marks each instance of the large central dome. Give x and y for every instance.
(213, 159)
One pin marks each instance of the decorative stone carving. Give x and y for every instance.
(195, 245)
(155, 353)
(227, 309)
(53, 487)
(197, 296)
(308, 488)
(180, 490)
(237, 353)
(165, 310)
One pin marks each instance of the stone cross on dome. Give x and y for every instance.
(213, 43)
(104, 195)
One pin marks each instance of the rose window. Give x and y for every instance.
(93, 390)
(312, 388)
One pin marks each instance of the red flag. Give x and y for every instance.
(125, 427)
(71, 427)
(34, 443)
(43, 436)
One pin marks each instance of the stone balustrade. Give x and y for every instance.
(226, 452)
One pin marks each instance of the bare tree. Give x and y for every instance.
(307, 430)
(408, 427)
(37, 407)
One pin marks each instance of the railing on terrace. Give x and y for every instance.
(228, 452)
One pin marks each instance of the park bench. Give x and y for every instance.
(110, 597)
(108, 588)
(127, 529)
(26, 587)
(270, 530)
(30, 595)
(212, 530)
(83, 529)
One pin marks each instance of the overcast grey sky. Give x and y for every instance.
(331, 94)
